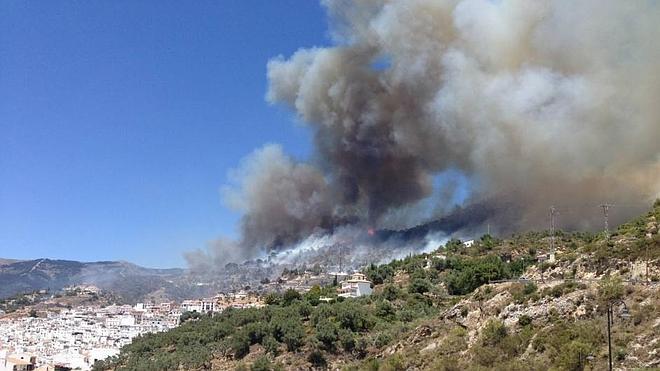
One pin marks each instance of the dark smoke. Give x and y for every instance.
(469, 218)
(536, 102)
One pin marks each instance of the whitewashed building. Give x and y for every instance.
(209, 305)
(17, 362)
(191, 306)
(356, 286)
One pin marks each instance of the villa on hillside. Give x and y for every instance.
(356, 286)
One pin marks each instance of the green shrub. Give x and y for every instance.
(256, 331)
(530, 288)
(317, 359)
(271, 346)
(261, 364)
(493, 333)
(396, 362)
(346, 339)
(313, 295)
(419, 286)
(572, 355)
(454, 245)
(455, 341)
(273, 298)
(385, 310)
(303, 308)
(406, 315)
(185, 316)
(382, 339)
(326, 333)
(485, 355)
(464, 311)
(288, 330)
(620, 354)
(391, 292)
(353, 316)
(240, 344)
(468, 274)
(322, 312)
(610, 289)
(290, 296)
(379, 274)
(522, 293)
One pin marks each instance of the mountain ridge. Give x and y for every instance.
(129, 280)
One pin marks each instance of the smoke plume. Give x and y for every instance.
(538, 103)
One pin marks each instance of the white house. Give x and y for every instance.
(209, 305)
(191, 306)
(71, 359)
(121, 320)
(549, 257)
(18, 362)
(99, 354)
(357, 285)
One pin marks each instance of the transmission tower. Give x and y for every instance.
(553, 214)
(606, 214)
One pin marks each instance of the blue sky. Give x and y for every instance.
(120, 119)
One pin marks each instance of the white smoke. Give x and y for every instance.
(349, 248)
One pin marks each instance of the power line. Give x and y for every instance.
(565, 208)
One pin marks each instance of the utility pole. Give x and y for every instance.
(648, 259)
(610, 322)
(606, 214)
(609, 334)
(341, 256)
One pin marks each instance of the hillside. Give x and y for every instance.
(43, 301)
(128, 280)
(493, 305)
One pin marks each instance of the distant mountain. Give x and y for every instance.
(7, 261)
(128, 280)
